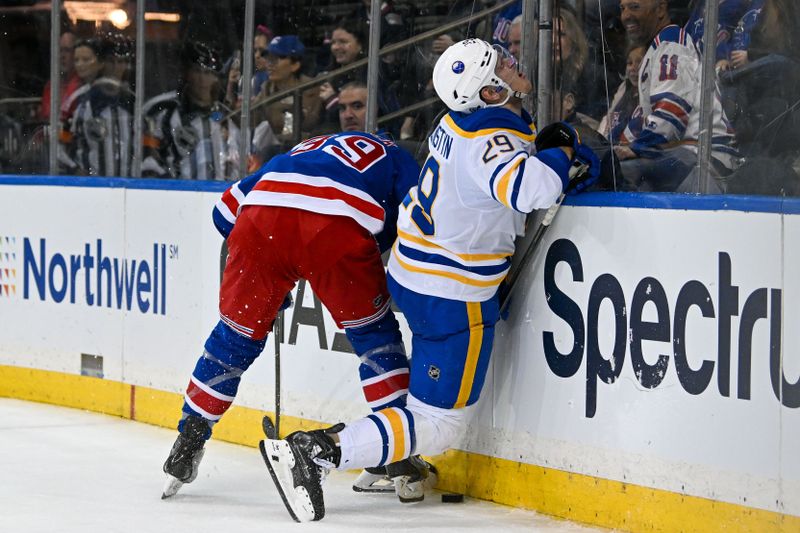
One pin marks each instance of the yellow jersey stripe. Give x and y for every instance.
(472, 134)
(504, 182)
(465, 257)
(473, 352)
(456, 277)
(398, 431)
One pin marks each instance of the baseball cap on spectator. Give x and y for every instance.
(286, 46)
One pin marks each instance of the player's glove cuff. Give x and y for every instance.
(588, 173)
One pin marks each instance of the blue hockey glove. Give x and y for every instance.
(588, 170)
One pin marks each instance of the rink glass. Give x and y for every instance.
(755, 72)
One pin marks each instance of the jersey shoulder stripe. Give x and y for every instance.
(671, 34)
(491, 120)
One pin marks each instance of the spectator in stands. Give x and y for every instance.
(99, 135)
(353, 106)
(275, 121)
(397, 68)
(664, 154)
(348, 45)
(88, 67)
(572, 66)
(736, 19)
(187, 135)
(774, 30)
(69, 78)
(621, 117)
(394, 23)
(503, 21)
(763, 87)
(515, 40)
(233, 89)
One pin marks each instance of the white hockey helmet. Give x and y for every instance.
(463, 70)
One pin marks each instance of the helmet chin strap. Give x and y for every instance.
(509, 94)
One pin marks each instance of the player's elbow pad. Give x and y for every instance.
(557, 160)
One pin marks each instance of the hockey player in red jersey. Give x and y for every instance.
(322, 212)
(455, 240)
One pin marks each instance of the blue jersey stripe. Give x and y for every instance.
(517, 185)
(412, 433)
(680, 126)
(384, 437)
(417, 255)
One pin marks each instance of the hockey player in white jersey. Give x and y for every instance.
(456, 233)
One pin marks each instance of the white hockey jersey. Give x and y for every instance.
(456, 228)
(670, 96)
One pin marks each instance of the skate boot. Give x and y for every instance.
(373, 480)
(298, 465)
(182, 464)
(411, 477)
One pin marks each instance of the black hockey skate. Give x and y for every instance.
(182, 464)
(411, 477)
(298, 465)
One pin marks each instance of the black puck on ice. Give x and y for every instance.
(452, 498)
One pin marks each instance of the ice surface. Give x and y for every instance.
(70, 471)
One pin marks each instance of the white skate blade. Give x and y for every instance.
(171, 487)
(279, 459)
(373, 483)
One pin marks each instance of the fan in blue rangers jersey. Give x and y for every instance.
(735, 16)
(313, 213)
(456, 235)
(502, 24)
(663, 155)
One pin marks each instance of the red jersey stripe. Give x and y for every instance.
(205, 401)
(231, 202)
(326, 193)
(381, 389)
(675, 109)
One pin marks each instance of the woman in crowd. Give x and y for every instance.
(348, 45)
(98, 137)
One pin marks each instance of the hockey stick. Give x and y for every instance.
(271, 429)
(278, 338)
(513, 277)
